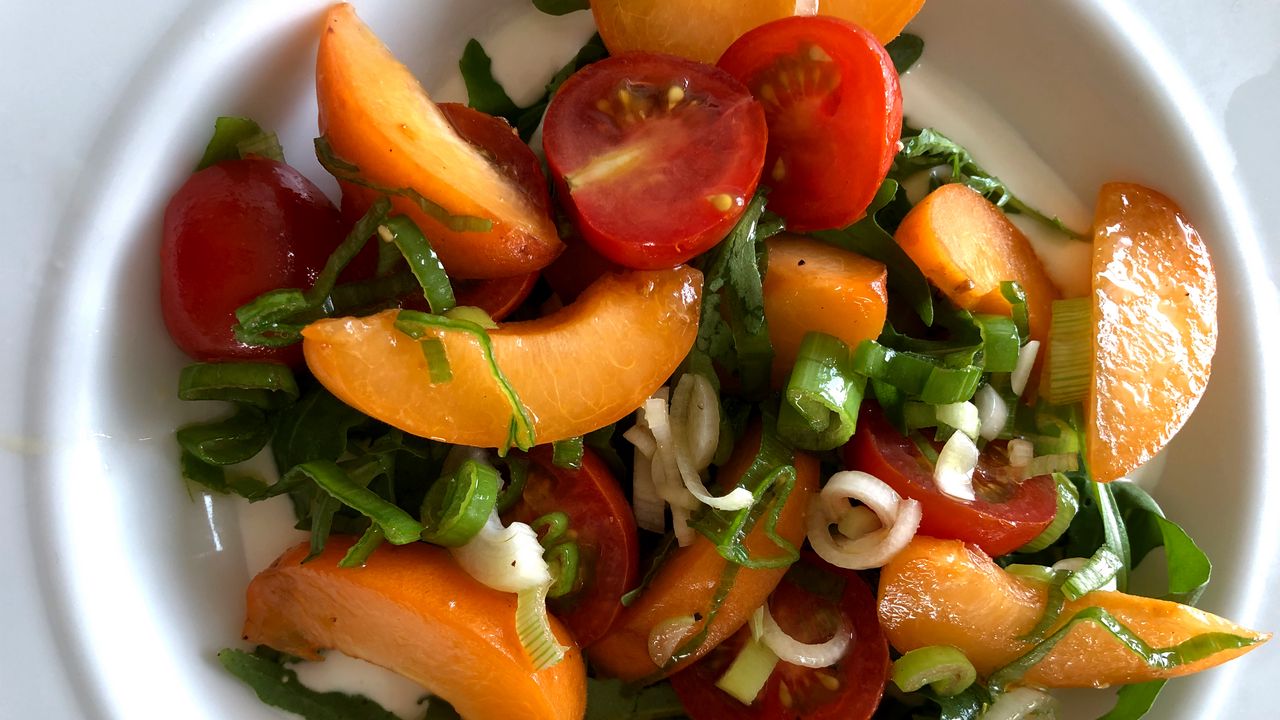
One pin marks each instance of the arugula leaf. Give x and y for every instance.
(1134, 701)
(1188, 568)
(278, 686)
(484, 93)
(561, 7)
(904, 50)
(593, 51)
(869, 238)
(927, 148)
(615, 700)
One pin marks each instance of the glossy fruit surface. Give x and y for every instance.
(585, 366)
(414, 611)
(1155, 314)
(831, 98)
(655, 156)
(232, 232)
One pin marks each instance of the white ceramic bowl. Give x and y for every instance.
(145, 581)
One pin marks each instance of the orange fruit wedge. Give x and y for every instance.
(377, 117)
(1155, 304)
(585, 366)
(703, 29)
(412, 610)
(812, 286)
(688, 580)
(941, 592)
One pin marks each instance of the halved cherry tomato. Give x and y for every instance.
(807, 606)
(232, 232)
(655, 156)
(601, 524)
(1007, 514)
(498, 143)
(830, 93)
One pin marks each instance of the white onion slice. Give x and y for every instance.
(953, 473)
(680, 525)
(645, 503)
(993, 412)
(899, 520)
(642, 439)
(1045, 464)
(810, 655)
(665, 637)
(858, 521)
(1022, 371)
(507, 559)
(962, 416)
(1020, 452)
(655, 415)
(696, 402)
(1022, 704)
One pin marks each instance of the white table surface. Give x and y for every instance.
(53, 55)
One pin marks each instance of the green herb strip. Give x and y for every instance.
(278, 686)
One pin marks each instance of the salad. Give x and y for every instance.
(668, 396)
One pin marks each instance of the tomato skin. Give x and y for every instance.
(834, 108)
(861, 675)
(997, 525)
(655, 157)
(232, 232)
(600, 521)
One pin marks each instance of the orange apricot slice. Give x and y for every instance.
(811, 286)
(412, 610)
(377, 117)
(688, 580)
(585, 366)
(942, 592)
(1155, 304)
(703, 29)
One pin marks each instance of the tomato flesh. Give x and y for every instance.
(655, 156)
(807, 605)
(1006, 515)
(600, 522)
(232, 232)
(834, 109)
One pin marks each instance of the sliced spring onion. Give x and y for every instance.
(1000, 342)
(364, 547)
(263, 144)
(899, 520)
(263, 385)
(518, 474)
(228, 441)
(1017, 299)
(534, 630)
(1070, 364)
(1068, 505)
(1046, 464)
(993, 412)
(810, 655)
(820, 403)
(473, 314)
(953, 473)
(1022, 704)
(942, 667)
(551, 527)
(916, 375)
(567, 453)
(228, 132)
(458, 505)
(347, 172)
(563, 559)
(1188, 651)
(1021, 453)
(423, 261)
(507, 559)
(1039, 573)
(666, 636)
(962, 416)
(399, 527)
(1096, 573)
(749, 672)
(1026, 361)
(437, 360)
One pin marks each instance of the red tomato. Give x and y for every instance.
(655, 156)
(510, 156)
(807, 606)
(600, 522)
(576, 268)
(830, 93)
(232, 232)
(1006, 515)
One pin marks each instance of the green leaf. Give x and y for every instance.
(228, 132)
(423, 261)
(869, 238)
(1115, 537)
(615, 700)
(484, 93)
(1135, 701)
(567, 453)
(905, 50)
(1188, 568)
(561, 7)
(593, 51)
(278, 686)
(315, 428)
(398, 526)
(968, 705)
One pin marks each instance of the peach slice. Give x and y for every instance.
(1155, 304)
(688, 579)
(377, 117)
(578, 369)
(812, 286)
(412, 610)
(941, 592)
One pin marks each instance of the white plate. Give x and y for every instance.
(120, 586)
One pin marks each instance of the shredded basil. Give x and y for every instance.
(1135, 701)
(278, 686)
(561, 7)
(235, 138)
(228, 441)
(905, 50)
(263, 385)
